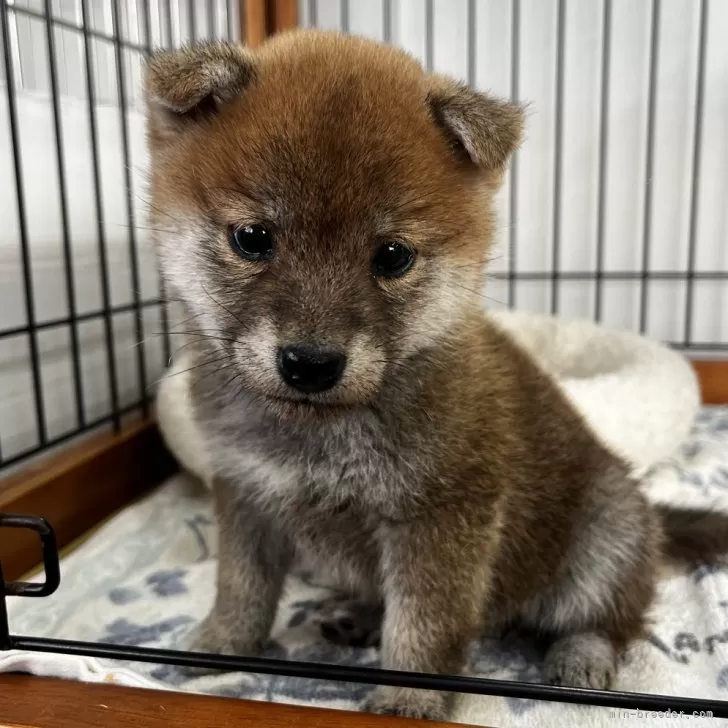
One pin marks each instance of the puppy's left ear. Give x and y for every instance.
(485, 129)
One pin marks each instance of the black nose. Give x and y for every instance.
(310, 368)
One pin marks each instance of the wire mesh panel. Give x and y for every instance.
(614, 208)
(81, 305)
(615, 205)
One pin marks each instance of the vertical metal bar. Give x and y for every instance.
(649, 165)
(147, 26)
(20, 75)
(164, 316)
(513, 191)
(211, 17)
(697, 164)
(228, 20)
(23, 227)
(100, 224)
(603, 148)
(558, 161)
(313, 13)
(133, 253)
(168, 22)
(344, 15)
(386, 20)
(192, 20)
(65, 227)
(429, 35)
(472, 42)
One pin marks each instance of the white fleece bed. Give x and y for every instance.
(148, 575)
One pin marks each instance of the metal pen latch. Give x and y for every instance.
(51, 567)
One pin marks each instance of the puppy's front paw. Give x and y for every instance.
(408, 703)
(581, 661)
(212, 637)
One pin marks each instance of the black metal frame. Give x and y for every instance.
(314, 671)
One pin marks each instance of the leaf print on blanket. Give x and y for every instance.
(125, 632)
(168, 583)
(123, 595)
(197, 525)
(722, 679)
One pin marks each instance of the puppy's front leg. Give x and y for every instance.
(252, 562)
(436, 576)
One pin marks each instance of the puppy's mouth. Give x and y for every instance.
(302, 400)
(307, 406)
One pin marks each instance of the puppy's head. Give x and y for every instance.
(323, 208)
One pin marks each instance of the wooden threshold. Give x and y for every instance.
(79, 487)
(36, 702)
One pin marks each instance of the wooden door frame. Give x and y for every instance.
(261, 18)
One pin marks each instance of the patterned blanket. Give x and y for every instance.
(147, 577)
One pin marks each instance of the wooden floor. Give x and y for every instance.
(35, 702)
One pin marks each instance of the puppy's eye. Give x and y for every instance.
(392, 260)
(252, 242)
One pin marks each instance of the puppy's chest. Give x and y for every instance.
(331, 469)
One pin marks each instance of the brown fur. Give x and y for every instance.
(445, 476)
(693, 536)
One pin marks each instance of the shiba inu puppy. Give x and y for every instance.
(323, 210)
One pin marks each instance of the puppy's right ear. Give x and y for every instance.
(185, 86)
